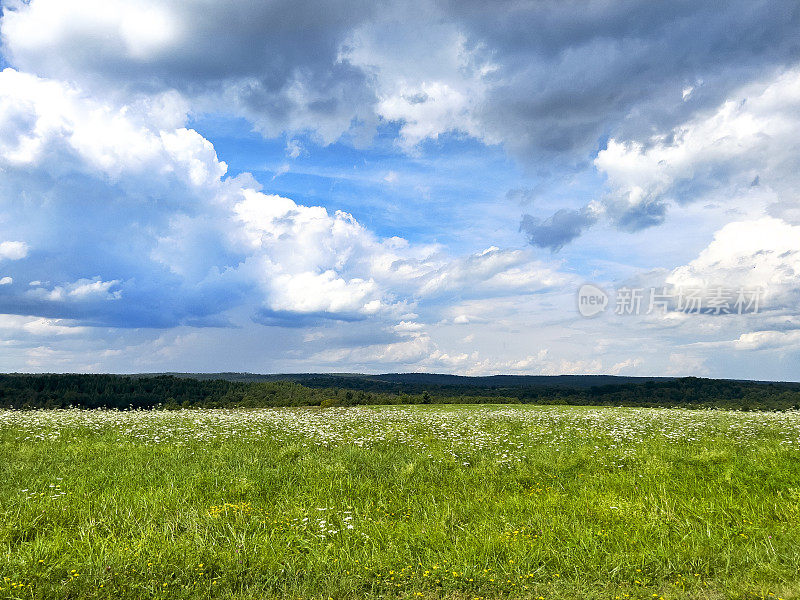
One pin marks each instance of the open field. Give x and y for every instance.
(457, 502)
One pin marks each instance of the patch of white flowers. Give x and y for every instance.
(465, 433)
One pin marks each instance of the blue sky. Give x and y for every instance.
(405, 186)
(445, 194)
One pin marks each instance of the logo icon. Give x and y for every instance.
(592, 300)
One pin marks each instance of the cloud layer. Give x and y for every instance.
(124, 225)
(645, 143)
(548, 77)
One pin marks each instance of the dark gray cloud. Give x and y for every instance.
(571, 72)
(635, 216)
(277, 62)
(559, 229)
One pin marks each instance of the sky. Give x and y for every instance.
(406, 186)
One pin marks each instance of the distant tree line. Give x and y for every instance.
(172, 392)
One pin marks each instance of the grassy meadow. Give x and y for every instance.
(432, 502)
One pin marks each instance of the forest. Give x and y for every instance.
(26, 391)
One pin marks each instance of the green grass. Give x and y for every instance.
(457, 502)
